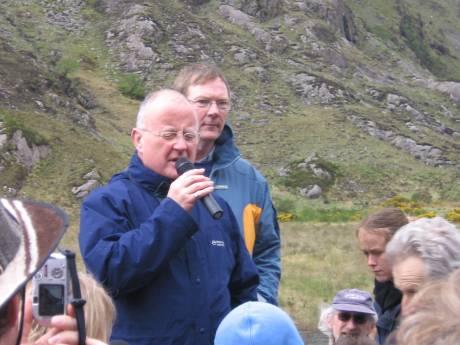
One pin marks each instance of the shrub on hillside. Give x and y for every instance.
(454, 215)
(422, 197)
(65, 66)
(132, 86)
(406, 205)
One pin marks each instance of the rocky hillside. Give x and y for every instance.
(340, 100)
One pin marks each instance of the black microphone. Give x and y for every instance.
(183, 165)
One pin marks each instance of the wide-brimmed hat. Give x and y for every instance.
(354, 300)
(29, 232)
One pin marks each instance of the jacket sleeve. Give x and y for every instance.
(267, 251)
(125, 256)
(245, 277)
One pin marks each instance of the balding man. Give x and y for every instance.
(173, 270)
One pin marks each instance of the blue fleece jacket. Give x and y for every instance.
(173, 275)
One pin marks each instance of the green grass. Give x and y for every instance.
(318, 259)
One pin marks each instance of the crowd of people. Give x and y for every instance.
(163, 269)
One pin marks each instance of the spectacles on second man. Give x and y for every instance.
(222, 104)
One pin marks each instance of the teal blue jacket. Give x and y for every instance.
(248, 194)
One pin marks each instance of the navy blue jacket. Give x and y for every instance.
(173, 275)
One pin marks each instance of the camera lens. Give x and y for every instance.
(57, 273)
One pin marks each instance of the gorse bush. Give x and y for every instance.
(453, 215)
(406, 205)
(285, 217)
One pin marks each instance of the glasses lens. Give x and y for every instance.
(360, 319)
(344, 317)
(207, 103)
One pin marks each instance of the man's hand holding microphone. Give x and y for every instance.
(192, 185)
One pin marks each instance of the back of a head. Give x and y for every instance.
(99, 308)
(436, 316)
(257, 323)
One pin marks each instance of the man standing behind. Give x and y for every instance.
(173, 270)
(236, 180)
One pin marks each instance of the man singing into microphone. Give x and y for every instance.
(174, 271)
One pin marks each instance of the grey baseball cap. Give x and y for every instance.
(354, 300)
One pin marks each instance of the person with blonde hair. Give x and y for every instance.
(99, 311)
(435, 317)
(373, 235)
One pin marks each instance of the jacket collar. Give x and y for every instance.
(138, 173)
(225, 149)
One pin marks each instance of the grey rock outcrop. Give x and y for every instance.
(271, 41)
(315, 90)
(133, 38)
(312, 192)
(28, 155)
(92, 181)
(428, 154)
(262, 9)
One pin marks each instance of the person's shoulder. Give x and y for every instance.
(115, 188)
(244, 167)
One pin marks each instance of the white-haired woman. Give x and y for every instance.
(421, 251)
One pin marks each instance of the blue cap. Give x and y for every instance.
(257, 323)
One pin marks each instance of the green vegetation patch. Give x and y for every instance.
(305, 173)
(12, 125)
(131, 85)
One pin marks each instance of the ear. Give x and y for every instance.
(329, 319)
(137, 139)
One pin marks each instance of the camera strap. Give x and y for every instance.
(21, 322)
(77, 301)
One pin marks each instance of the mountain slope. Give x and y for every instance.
(369, 86)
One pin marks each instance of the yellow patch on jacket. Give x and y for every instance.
(251, 216)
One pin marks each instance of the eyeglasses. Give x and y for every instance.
(223, 105)
(359, 318)
(169, 135)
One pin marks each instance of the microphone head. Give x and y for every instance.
(183, 165)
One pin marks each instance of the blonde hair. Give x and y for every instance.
(385, 222)
(99, 311)
(436, 319)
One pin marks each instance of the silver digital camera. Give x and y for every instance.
(51, 288)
